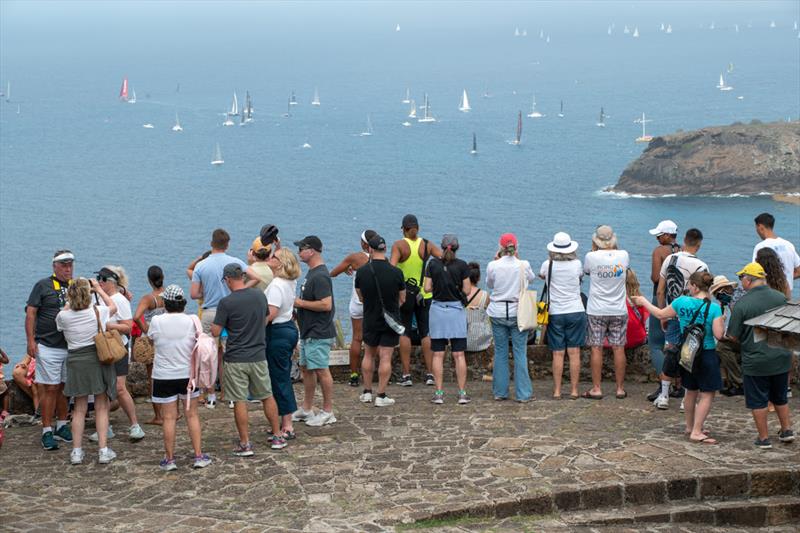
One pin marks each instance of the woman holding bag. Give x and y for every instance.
(506, 277)
(81, 320)
(705, 380)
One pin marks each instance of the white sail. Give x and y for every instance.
(407, 99)
(669, 28)
(426, 113)
(534, 112)
(636, 32)
(217, 160)
(315, 101)
(524, 33)
(177, 126)
(602, 122)
(464, 107)
(234, 106)
(132, 99)
(413, 112)
(626, 31)
(516, 32)
(609, 30)
(772, 24)
(368, 131)
(721, 83)
(645, 138)
(397, 28)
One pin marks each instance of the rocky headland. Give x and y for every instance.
(741, 159)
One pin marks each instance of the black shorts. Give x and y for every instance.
(758, 390)
(121, 366)
(456, 345)
(385, 339)
(420, 312)
(169, 390)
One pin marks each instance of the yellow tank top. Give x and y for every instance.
(412, 267)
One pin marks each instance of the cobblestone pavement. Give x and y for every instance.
(376, 467)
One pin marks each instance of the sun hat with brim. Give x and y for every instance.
(562, 244)
(719, 283)
(753, 270)
(604, 237)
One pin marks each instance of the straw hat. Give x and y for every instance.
(720, 282)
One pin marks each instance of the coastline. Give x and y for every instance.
(793, 199)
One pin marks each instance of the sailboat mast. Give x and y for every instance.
(474, 143)
(519, 127)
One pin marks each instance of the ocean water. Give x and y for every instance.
(78, 170)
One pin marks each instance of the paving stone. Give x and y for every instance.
(723, 485)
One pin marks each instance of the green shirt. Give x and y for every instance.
(758, 359)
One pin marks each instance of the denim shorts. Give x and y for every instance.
(566, 330)
(708, 377)
(758, 390)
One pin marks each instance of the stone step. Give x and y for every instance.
(751, 512)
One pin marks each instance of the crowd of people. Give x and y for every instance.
(412, 293)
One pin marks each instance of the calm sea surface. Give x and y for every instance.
(78, 170)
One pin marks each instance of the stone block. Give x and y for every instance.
(742, 514)
(567, 500)
(645, 493)
(602, 496)
(650, 517)
(723, 486)
(771, 483)
(540, 504)
(19, 403)
(506, 507)
(681, 489)
(697, 515)
(783, 513)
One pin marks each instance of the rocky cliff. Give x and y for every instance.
(737, 159)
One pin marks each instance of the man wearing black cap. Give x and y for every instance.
(379, 338)
(315, 311)
(409, 255)
(47, 345)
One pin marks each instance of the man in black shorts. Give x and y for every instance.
(379, 338)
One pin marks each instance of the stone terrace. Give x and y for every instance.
(380, 469)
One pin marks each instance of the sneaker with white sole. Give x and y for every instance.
(277, 443)
(167, 464)
(136, 433)
(463, 399)
(201, 461)
(429, 380)
(682, 407)
(106, 456)
(786, 436)
(365, 397)
(231, 405)
(405, 380)
(384, 401)
(438, 398)
(323, 418)
(662, 402)
(243, 450)
(211, 404)
(109, 435)
(76, 456)
(301, 415)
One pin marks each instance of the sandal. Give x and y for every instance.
(704, 440)
(574, 396)
(622, 396)
(289, 435)
(589, 396)
(556, 396)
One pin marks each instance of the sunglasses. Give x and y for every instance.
(105, 278)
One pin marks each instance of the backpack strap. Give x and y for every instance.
(473, 296)
(546, 291)
(198, 326)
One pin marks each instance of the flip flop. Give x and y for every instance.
(622, 396)
(704, 440)
(556, 396)
(574, 396)
(589, 396)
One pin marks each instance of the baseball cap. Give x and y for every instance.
(173, 293)
(754, 270)
(258, 245)
(508, 239)
(376, 242)
(268, 234)
(232, 270)
(310, 241)
(665, 226)
(450, 241)
(410, 221)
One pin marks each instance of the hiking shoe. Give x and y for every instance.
(764, 444)
(64, 434)
(354, 379)
(106, 456)
(787, 435)
(323, 418)
(211, 404)
(136, 433)
(438, 398)
(463, 399)
(167, 464)
(201, 461)
(49, 441)
(365, 397)
(654, 395)
(109, 434)
(301, 415)
(243, 450)
(676, 392)
(384, 401)
(277, 442)
(405, 380)
(662, 402)
(429, 379)
(76, 456)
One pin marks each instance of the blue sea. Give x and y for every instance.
(79, 171)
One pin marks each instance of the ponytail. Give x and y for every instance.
(701, 280)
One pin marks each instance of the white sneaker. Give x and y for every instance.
(365, 397)
(231, 405)
(383, 402)
(662, 402)
(323, 418)
(107, 456)
(136, 433)
(681, 408)
(301, 415)
(211, 404)
(109, 435)
(76, 457)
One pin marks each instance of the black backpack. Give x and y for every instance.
(675, 282)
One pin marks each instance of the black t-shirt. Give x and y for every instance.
(243, 314)
(391, 282)
(317, 324)
(447, 280)
(48, 296)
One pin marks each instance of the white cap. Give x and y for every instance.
(665, 226)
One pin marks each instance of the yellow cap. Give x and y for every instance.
(256, 246)
(754, 270)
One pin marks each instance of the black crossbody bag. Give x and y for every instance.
(414, 288)
(392, 321)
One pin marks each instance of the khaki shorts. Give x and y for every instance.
(614, 328)
(207, 320)
(243, 381)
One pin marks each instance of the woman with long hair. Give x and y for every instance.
(151, 305)
(773, 267)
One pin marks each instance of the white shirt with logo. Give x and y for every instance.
(687, 263)
(786, 251)
(607, 271)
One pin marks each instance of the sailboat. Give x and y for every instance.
(228, 120)
(524, 33)
(547, 40)
(243, 118)
(736, 28)
(123, 91)
(602, 122)
(541, 33)
(722, 86)
(217, 160)
(407, 99)
(19, 109)
(669, 28)
(561, 112)
(247, 112)
(426, 113)
(795, 25)
(177, 126)
(315, 101)
(516, 32)
(772, 24)
(413, 112)
(730, 68)
(644, 138)
(609, 30)
(132, 99)
(474, 145)
(288, 109)
(636, 32)
(518, 139)
(234, 106)
(534, 113)
(626, 31)
(464, 107)
(662, 27)
(292, 99)
(368, 131)
(397, 28)
(713, 26)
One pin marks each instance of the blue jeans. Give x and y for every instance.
(655, 339)
(502, 330)
(281, 340)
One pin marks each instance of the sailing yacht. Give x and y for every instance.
(413, 112)
(662, 27)
(474, 145)
(288, 109)
(464, 107)
(315, 101)
(148, 126)
(534, 113)
(292, 99)
(177, 126)
(228, 120)
(736, 28)
(405, 124)
(407, 99)
(426, 113)
(609, 30)
(516, 32)
(132, 99)
(518, 139)
(669, 28)
(636, 31)
(217, 160)
(722, 86)
(626, 31)
(713, 26)
(247, 112)
(561, 112)
(234, 106)
(772, 24)
(123, 91)
(524, 33)
(644, 138)
(397, 28)
(602, 122)
(368, 131)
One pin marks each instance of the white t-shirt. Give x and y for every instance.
(687, 263)
(281, 293)
(123, 311)
(785, 251)
(565, 286)
(502, 279)
(607, 272)
(173, 337)
(80, 327)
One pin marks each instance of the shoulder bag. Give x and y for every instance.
(693, 337)
(543, 307)
(108, 343)
(391, 320)
(479, 328)
(526, 304)
(143, 351)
